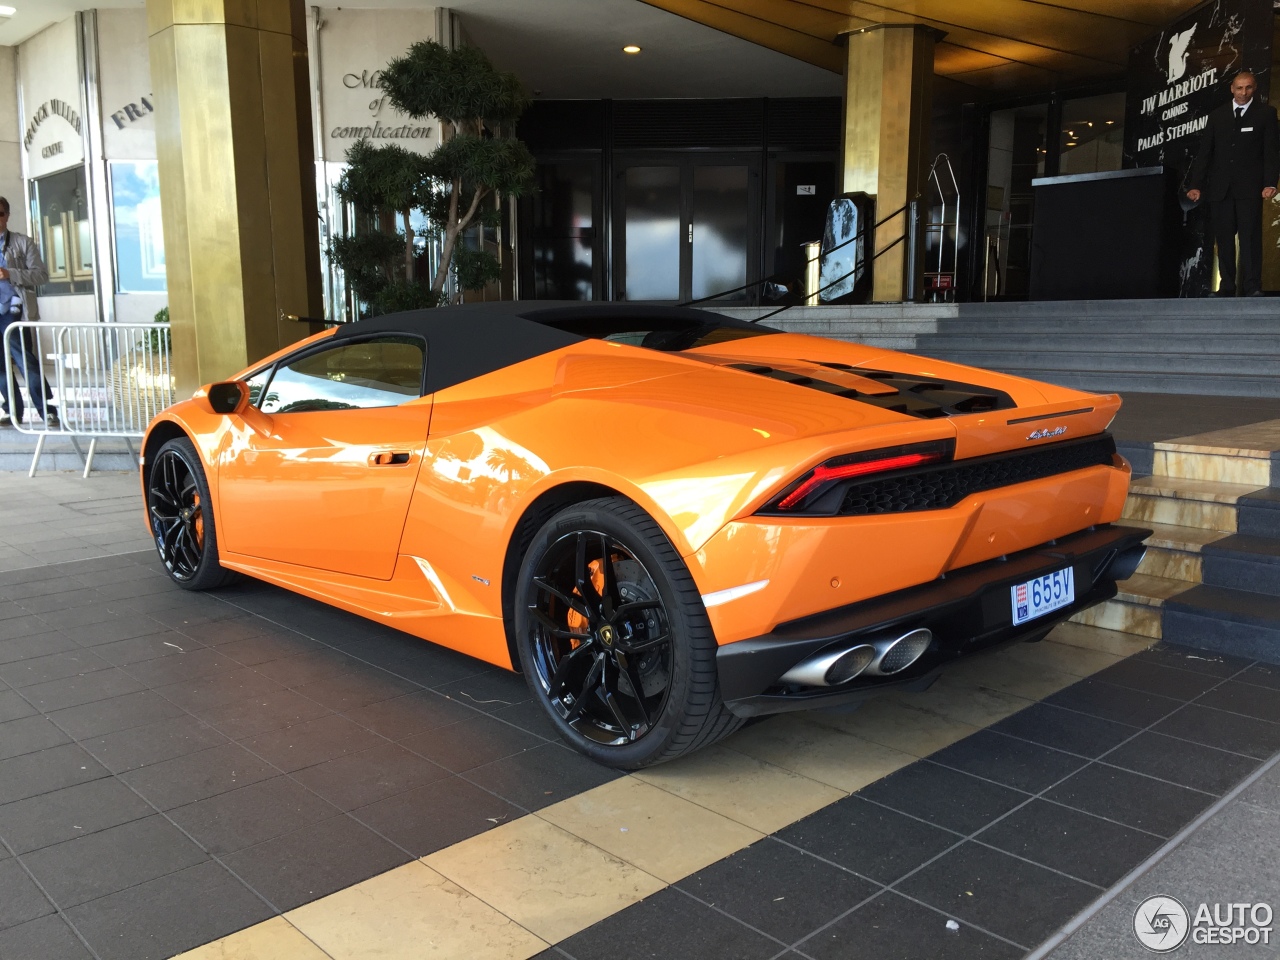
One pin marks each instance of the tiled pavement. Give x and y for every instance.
(175, 767)
(56, 517)
(1010, 831)
(160, 748)
(1229, 858)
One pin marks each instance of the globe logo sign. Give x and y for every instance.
(1161, 924)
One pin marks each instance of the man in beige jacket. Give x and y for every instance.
(21, 271)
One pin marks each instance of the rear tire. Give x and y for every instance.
(180, 515)
(614, 640)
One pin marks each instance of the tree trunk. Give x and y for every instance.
(408, 245)
(450, 237)
(455, 228)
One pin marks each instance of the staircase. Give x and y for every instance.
(1207, 347)
(892, 326)
(60, 453)
(1211, 576)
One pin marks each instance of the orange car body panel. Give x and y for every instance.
(698, 446)
(320, 465)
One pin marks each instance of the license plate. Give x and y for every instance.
(1042, 595)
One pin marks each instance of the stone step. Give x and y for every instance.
(1191, 461)
(1149, 591)
(1222, 310)
(1029, 355)
(1225, 620)
(1138, 381)
(60, 454)
(1244, 562)
(1174, 552)
(1207, 504)
(1079, 373)
(1136, 607)
(1095, 325)
(1151, 343)
(1259, 513)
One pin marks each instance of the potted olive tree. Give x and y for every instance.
(454, 187)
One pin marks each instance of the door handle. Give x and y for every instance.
(387, 459)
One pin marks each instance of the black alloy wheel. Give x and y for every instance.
(181, 517)
(614, 640)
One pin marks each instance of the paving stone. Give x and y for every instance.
(156, 920)
(71, 812)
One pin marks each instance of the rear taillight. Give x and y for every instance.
(820, 491)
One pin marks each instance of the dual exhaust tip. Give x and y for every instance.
(876, 658)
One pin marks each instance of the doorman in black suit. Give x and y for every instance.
(1238, 163)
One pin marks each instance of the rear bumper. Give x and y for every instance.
(968, 610)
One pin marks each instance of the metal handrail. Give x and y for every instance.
(946, 227)
(109, 380)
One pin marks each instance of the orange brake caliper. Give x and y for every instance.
(576, 621)
(199, 520)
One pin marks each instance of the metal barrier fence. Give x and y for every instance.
(108, 380)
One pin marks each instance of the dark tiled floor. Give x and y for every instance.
(247, 751)
(251, 751)
(987, 847)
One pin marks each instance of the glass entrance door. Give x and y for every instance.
(651, 226)
(688, 227)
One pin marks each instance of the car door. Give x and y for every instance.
(329, 484)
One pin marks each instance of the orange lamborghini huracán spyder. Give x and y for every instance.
(669, 520)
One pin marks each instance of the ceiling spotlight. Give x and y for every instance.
(630, 48)
(7, 11)
(1110, 122)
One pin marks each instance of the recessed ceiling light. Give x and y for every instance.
(630, 48)
(7, 11)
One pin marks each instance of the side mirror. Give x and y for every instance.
(229, 397)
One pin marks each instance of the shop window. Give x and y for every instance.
(60, 206)
(1091, 139)
(139, 234)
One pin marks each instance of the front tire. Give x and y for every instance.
(180, 514)
(614, 639)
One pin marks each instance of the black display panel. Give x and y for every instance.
(1176, 78)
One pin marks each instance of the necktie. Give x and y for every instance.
(1239, 112)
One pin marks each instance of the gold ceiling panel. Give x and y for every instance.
(1033, 23)
(994, 44)
(774, 34)
(818, 21)
(949, 60)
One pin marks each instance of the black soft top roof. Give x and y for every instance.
(473, 339)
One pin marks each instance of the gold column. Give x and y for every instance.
(887, 110)
(237, 179)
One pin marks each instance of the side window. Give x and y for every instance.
(257, 383)
(380, 372)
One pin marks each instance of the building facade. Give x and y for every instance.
(637, 197)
